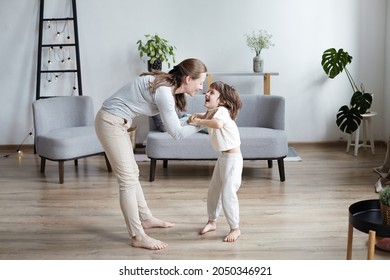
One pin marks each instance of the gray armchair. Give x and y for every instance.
(64, 130)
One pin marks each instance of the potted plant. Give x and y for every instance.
(258, 41)
(157, 50)
(349, 116)
(384, 200)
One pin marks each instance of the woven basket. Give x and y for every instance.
(132, 134)
(385, 212)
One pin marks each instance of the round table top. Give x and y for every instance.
(366, 215)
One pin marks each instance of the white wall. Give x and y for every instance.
(212, 31)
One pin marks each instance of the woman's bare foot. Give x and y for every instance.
(233, 235)
(156, 223)
(145, 241)
(210, 226)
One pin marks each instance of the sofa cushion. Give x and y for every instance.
(263, 143)
(197, 146)
(256, 143)
(66, 143)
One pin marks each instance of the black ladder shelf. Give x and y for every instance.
(50, 46)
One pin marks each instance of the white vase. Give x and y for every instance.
(258, 64)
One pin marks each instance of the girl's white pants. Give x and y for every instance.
(225, 182)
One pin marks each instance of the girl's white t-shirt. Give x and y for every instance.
(227, 137)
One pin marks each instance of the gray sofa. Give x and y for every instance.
(261, 123)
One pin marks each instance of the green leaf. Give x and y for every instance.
(348, 119)
(156, 47)
(361, 101)
(333, 62)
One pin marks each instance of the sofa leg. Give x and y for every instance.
(281, 170)
(152, 172)
(270, 163)
(165, 163)
(61, 171)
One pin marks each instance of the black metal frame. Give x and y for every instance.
(41, 46)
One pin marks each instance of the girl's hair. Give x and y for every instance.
(191, 67)
(229, 97)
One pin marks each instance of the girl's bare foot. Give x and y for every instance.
(233, 235)
(145, 241)
(156, 223)
(210, 226)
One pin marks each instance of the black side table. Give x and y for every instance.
(366, 217)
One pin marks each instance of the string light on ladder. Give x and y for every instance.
(50, 51)
(63, 29)
(74, 84)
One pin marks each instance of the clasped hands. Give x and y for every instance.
(193, 120)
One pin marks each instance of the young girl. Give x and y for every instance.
(223, 103)
(149, 94)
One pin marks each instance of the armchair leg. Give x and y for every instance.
(43, 164)
(165, 163)
(281, 170)
(270, 163)
(152, 173)
(108, 164)
(61, 171)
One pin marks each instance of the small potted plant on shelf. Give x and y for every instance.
(258, 41)
(348, 118)
(384, 200)
(157, 50)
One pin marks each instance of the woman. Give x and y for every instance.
(149, 94)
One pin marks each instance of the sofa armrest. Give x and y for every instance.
(273, 112)
(262, 111)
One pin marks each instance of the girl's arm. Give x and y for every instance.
(212, 123)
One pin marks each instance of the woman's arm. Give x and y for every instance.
(212, 123)
(166, 105)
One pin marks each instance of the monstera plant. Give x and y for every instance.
(349, 116)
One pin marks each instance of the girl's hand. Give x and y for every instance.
(191, 119)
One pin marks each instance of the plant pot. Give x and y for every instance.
(156, 65)
(258, 64)
(385, 213)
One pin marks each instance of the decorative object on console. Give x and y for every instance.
(157, 50)
(348, 117)
(256, 42)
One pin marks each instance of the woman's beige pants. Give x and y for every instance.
(112, 133)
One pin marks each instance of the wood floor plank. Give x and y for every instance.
(303, 218)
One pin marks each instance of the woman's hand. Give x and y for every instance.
(192, 120)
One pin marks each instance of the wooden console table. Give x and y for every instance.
(266, 78)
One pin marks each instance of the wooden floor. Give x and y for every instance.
(303, 218)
